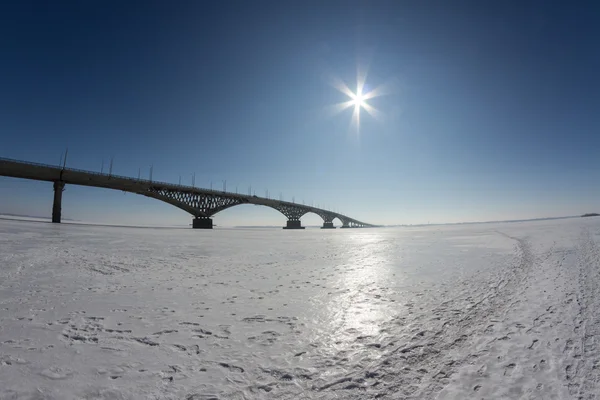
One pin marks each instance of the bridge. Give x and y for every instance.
(202, 204)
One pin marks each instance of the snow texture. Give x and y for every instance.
(491, 311)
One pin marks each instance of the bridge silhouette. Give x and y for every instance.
(201, 203)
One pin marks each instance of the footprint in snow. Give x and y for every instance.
(231, 367)
(56, 373)
(508, 370)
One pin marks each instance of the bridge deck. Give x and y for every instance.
(50, 173)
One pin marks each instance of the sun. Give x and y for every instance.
(357, 100)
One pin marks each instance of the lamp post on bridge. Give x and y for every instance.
(194, 180)
(225, 185)
(65, 160)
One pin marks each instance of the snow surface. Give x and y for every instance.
(488, 311)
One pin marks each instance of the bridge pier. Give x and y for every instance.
(293, 224)
(328, 225)
(346, 226)
(59, 187)
(202, 223)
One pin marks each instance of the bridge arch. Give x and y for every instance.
(183, 206)
(294, 213)
(204, 206)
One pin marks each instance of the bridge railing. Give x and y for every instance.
(140, 180)
(58, 167)
(29, 163)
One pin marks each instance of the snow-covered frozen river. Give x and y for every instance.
(507, 310)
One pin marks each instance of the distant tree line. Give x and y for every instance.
(591, 215)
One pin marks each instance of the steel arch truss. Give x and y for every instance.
(350, 223)
(293, 213)
(204, 204)
(345, 221)
(198, 204)
(327, 216)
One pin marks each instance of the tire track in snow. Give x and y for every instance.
(583, 374)
(423, 365)
(499, 298)
(549, 335)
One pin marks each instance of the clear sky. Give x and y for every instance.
(490, 109)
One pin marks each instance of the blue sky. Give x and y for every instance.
(492, 110)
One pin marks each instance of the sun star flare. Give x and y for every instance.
(357, 100)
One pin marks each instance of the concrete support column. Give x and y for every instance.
(346, 226)
(202, 223)
(293, 225)
(57, 206)
(328, 225)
